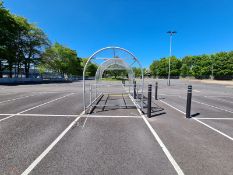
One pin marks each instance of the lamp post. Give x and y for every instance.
(212, 68)
(171, 33)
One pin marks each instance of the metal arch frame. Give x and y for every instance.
(106, 48)
(126, 66)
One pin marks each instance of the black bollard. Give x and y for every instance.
(134, 89)
(189, 100)
(156, 90)
(149, 101)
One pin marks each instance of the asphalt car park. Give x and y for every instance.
(43, 130)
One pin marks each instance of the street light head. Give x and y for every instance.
(171, 32)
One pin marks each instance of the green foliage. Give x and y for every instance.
(184, 70)
(201, 66)
(31, 43)
(175, 66)
(160, 68)
(154, 68)
(116, 74)
(62, 60)
(138, 72)
(21, 42)
(8, 35)
(91, 68)
(223, 65)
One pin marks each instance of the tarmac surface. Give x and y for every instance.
(43, 130)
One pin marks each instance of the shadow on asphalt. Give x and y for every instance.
(196, 114)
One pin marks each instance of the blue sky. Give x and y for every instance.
(203, 26)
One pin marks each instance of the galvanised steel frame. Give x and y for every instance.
(108, 65)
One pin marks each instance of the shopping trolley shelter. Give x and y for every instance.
(126, 126)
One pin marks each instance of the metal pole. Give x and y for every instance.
(90, 94)
(149, 101)
(156, 90)
(171, 33)
(189, 100)
(134, 89)
(84, 98)
(95, 88)
(129, 87)
(212, 70)
(169, 60)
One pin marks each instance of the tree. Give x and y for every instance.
(138, 72)
(160, 68)
(201, 66)
(91, 68)
(21, 42)
(175, 66)
(163, 67)
(62, 60)
(222, 65)
(31, 43)
(8, 34)
(184, 70)
(154, 68)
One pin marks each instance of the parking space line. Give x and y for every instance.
(50, 147)
(169, 95)
(41, 115)
(196, 91)
(14, 99)
(35, 107)
(160, 142)
(225, 135)
(172, 107)
(216, 107)
(107, 116)
(219, 99)
(214, 118)
(214, 96)
(216, 130)
(219, 108)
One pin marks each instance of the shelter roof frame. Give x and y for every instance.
(114, 63)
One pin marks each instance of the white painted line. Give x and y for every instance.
(102, 116)
(225, 135)
(85, 121)
(41, 115)
(219, 99)
(219, 108)
(164, 148)
(216, 107)
(196, 91)
(162, 145)
(218, 96)
(106, 116)
(214, 118)
(172, 107)
(9, 93)
(50, 147)
(35, 107)
(169, 95)
(14, 99)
